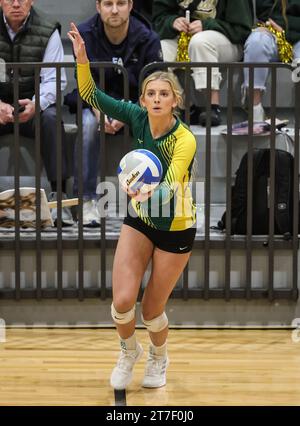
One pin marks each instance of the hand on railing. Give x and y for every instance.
(78, 44)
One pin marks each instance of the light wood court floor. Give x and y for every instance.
(208, 367)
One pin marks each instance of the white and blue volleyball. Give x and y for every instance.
(141, 170)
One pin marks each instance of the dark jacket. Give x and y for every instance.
(142, 47)
(29, 45)
(234, 18)
(265, 9)
(144, 7)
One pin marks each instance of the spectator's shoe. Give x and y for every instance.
(155, 372)
(91, 217)
(215, 116)
(258, 113)
(121, 375)
(66, 215)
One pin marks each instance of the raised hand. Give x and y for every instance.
(78, 44)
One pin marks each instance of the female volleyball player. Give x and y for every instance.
(163, 235)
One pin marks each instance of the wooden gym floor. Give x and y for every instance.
(208, 367)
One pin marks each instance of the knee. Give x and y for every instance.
(120, 316)
(257, 43)
(88, 118)
(155, 324)
(89, 125)
(199, 44)
(123, 303)
(49, 114)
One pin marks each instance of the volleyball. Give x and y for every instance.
(140, 170)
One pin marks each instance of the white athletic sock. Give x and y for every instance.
(258, 112)
(159, 350)
(128, 344)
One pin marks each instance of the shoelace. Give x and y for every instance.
(156, 365)
(126, 360)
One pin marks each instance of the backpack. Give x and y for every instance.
(283, 212)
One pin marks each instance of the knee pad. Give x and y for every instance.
(156, 324)
(122, 318)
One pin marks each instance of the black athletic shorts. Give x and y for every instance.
(171, 241)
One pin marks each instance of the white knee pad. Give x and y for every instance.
(156, 324)
(122, 318)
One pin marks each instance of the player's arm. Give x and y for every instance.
(183, 156)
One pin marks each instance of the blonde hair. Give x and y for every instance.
(169, 78)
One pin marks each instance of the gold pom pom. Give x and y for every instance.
(285, 49)
(183, 48)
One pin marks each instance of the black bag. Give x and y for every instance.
(284, 169)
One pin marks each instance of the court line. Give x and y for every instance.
(120, 397)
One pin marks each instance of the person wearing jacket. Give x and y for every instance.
(264, 44)
(218, 29)
(26, 35)
(115, 34)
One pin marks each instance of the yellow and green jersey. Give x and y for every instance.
(171, 207)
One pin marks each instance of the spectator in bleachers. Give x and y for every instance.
(26, 36)
(278, 22)
(218, 29)
(118, 35)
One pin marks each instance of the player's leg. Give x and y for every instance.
(166, 270)
(131, 259)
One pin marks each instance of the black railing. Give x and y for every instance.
(82, 242)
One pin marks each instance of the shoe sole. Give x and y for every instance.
(152, 386)
(91, 225)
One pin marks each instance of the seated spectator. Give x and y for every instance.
(218, 29)
(115, 35)
(25, 36)
(264, 44)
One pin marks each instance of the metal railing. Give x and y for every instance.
(205, 243)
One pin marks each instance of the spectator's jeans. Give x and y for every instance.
(90, 155)
(48, 140)
(261, 46)
(205, 46)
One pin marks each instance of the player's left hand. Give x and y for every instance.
(138, 195)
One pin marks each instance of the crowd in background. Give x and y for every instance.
(133, 34)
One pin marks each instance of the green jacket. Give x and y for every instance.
(265, 10)
(233, 18)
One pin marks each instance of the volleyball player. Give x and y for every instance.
(164, 239)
